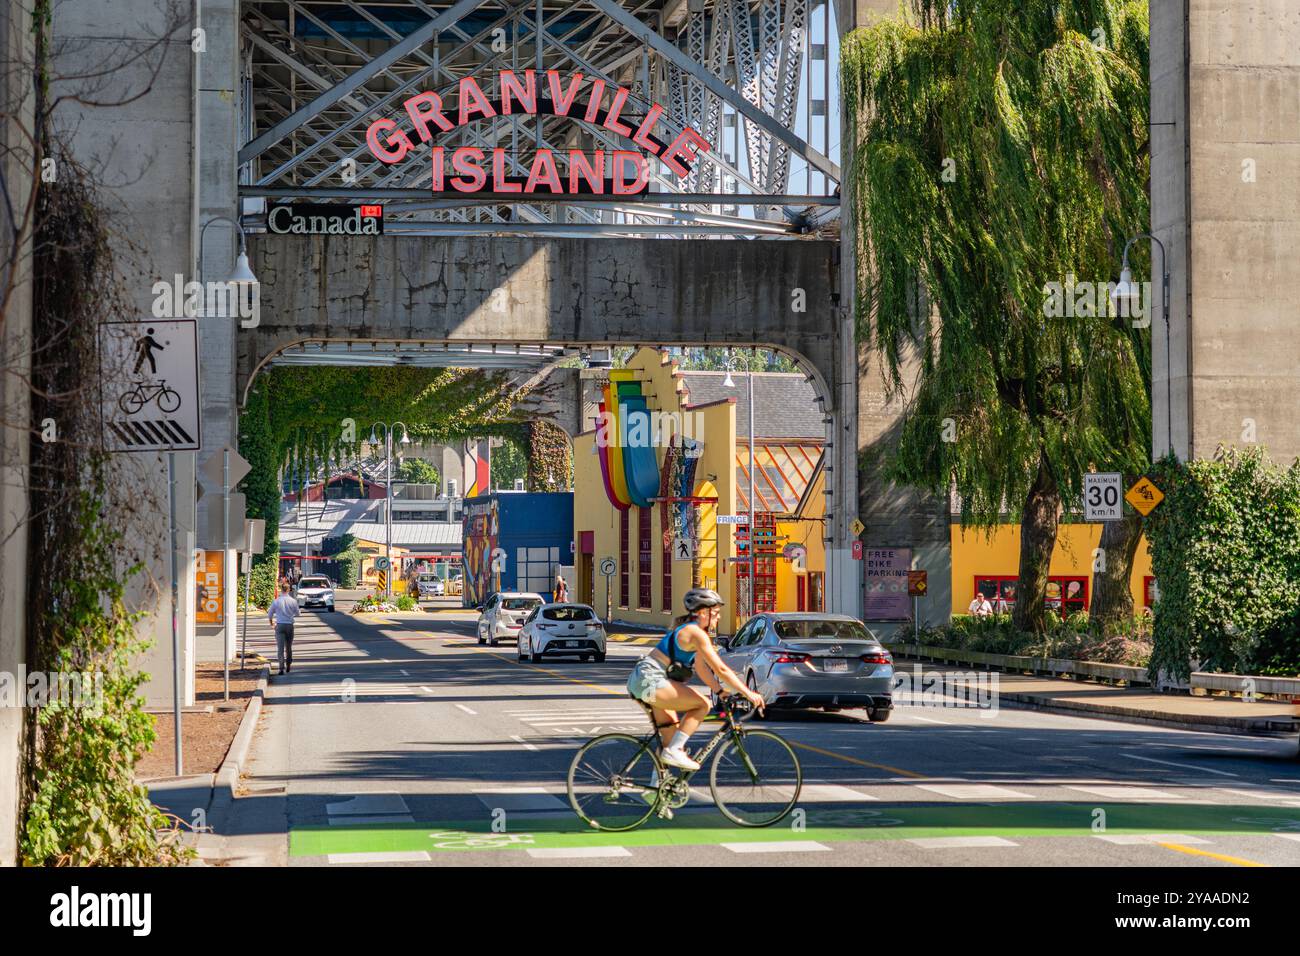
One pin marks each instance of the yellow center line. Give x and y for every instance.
(1192, 851)
(861, 763)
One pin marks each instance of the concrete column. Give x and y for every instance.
(142, 148)
(1225, 202)
(15, 410)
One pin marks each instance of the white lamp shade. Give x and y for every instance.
(1126, 292)
(243, 273)
(727, 382)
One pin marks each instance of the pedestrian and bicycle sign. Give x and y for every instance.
(150, 375)
(1101, 496)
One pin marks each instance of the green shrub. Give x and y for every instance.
(407, 603)
(1225, 549)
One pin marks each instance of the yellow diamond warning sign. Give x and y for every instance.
(1144, 496)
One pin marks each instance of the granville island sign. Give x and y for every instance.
(470, 169)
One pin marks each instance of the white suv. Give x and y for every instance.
(569, 629)
(315, 591)
(503, 615)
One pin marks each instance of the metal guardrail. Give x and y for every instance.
(1251, 684)
(1240, 684)
(1037, 665)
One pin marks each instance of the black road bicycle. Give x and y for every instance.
(143, 393)
(617, 781)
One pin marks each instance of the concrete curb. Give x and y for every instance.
(227, 777)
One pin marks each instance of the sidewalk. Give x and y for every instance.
(1215, 714)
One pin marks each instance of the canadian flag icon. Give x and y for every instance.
(376, 212)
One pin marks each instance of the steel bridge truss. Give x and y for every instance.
(317, 73)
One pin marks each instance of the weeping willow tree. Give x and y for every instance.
(999, 161)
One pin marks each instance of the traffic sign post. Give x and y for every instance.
(607, 568)
(150, 390)
(917, 587)
(1102, 496)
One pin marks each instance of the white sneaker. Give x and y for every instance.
(677, 757)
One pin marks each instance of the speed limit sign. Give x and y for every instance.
(1103, 496)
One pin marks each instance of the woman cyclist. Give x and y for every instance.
(659, 678)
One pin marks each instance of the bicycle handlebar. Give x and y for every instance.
(737, 705)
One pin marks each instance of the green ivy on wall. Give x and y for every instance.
(1225, 547)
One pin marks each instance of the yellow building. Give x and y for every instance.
(989, 562)
(698, 415)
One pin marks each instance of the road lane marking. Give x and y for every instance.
(778, 846)
(928, 720)
(831, 793)
(1184, 766)
(1135, 839)
(405, 673)
(974, 791)
(1192, 851)
(472, 713)
(426, 689)
(577, 852)
(526, 744)
(392, 856)
(861, 763)
(1128, 793)
(959, 842)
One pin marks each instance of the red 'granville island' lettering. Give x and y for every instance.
(469, 169)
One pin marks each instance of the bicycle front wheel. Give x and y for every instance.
(614, 782)
(755, 778)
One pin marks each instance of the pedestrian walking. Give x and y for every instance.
(561, 588)
(281, 614)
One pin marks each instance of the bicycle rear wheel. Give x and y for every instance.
(755, 779)
(613, 782)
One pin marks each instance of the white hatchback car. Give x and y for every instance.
(570, 629)
(315, 591)
(503, 615)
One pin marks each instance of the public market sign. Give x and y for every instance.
(321, 219)
(471, 169)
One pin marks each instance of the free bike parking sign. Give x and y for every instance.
(150, 379)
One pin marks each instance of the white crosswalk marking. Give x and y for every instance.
(359, 689)
(956, 843)
(1134, 839)
(974, 791)
(393, 856)
(1128, 793)
(777, 846)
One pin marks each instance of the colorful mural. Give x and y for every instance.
(482, 531)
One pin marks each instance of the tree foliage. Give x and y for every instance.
(998, 147)
(1225, 547)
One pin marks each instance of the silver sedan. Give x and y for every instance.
(804, 660)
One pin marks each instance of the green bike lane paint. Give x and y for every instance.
(825, 825)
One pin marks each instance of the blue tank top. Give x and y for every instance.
(687, 658)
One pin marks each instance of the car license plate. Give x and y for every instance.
(570, 643)
(835, 665)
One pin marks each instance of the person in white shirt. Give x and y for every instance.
(281, 614)
(980, 606)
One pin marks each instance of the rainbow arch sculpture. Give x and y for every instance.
(625, 443)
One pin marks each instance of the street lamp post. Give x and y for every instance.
(388, 493)
(241, 276)
(1127, 291)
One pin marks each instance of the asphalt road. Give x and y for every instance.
(398, 740)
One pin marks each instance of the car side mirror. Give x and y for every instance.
(724, 643)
